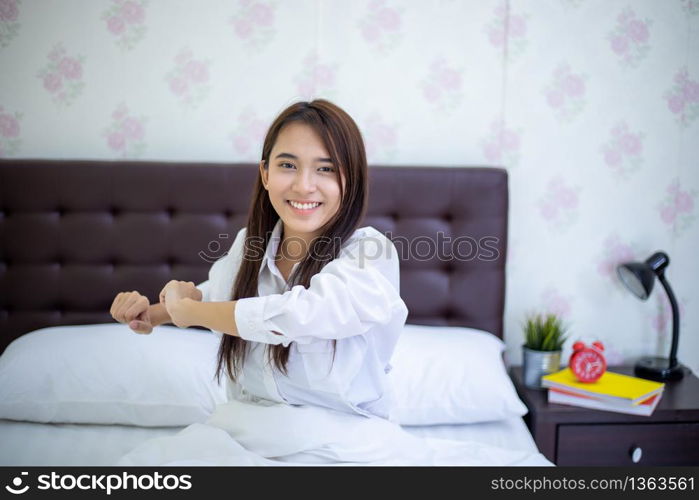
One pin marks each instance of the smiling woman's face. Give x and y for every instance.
(300, 170)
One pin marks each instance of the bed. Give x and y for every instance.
(75, 233)
(34, 444)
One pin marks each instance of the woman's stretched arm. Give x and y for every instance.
(350, 295)
(353, 293)
(218, 316)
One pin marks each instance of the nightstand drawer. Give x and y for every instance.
(614, 444)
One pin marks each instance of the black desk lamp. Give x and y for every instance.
(639, 278)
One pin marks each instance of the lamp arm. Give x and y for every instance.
(675, 318)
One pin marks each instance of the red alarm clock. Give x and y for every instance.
(587, 362)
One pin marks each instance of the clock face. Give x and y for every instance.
(588, 365)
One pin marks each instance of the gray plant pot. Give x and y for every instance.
(536, 364)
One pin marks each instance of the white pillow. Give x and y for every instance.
(107, 374)
(451, 375)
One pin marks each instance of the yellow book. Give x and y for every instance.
(610, 386)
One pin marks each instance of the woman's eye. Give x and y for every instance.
(285, 164)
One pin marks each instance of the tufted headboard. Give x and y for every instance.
(75, 233)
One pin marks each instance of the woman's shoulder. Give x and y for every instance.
(239, 241)
(367, 230)
(369, 241)
(369, 233)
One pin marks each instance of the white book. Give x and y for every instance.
(644, 408)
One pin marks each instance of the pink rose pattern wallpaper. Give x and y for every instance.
(380, 137)
(508, 28)
(630, 38)
(593, 120)
(501, 146)
(559, 204)
(9, 132)
(9, 26)
(62, 75)
(188, 80)
(380, 25)
(442, 86)
(315, 77)
(683, 97)
(615, 251)
(253, 24)
(565, 93)
(249, 133)
(623, 151)
(125, 135)
(691, 7)
(676, 208)
(555, 303)
(125, 21)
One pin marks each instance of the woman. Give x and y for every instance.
(306, 303)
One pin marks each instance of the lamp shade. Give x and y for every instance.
(638, 277)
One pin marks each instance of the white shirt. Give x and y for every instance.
(354, 299)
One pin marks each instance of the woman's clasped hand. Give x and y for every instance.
(133, 309)
(175, 296)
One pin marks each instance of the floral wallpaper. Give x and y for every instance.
(61, 76)
(591, 105)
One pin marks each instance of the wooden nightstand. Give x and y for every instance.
(569, 435)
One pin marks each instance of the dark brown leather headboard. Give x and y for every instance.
(75, 233)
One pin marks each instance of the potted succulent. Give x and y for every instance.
(544, 338)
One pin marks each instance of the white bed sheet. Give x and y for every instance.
(34, 444)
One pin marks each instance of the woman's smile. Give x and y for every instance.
(303, 209)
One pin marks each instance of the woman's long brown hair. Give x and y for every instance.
(344, 143)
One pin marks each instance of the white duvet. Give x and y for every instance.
(267, 433)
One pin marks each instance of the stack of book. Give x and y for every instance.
(612, 392)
